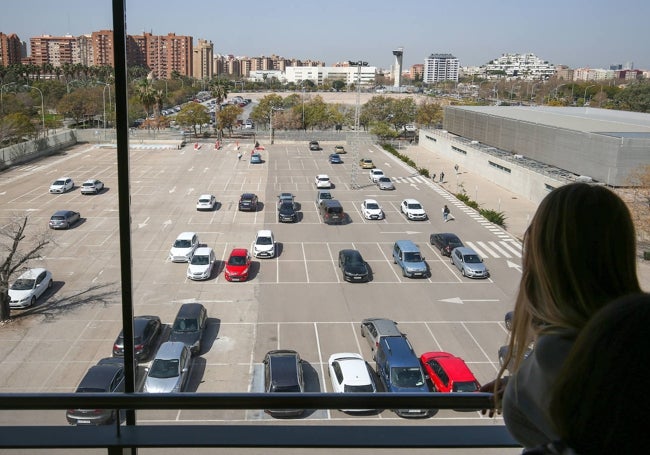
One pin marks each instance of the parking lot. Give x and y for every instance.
(297, 300)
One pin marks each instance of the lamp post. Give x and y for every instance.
(42, 104)
(584, 98)
(104, 103)
(357, 107)
(2, 106)
(303, 107)
(272, 137)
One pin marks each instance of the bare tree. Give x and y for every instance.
(11, 237)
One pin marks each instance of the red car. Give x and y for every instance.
(238, 265)
(448, 373)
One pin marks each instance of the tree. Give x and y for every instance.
(15, 258)
(80, 104)
(227, 117)
(219, 91)
(192, 114)
(429, 113)
(14, 127)
(262, 112)
(639, 203)
(635, 97)
(146, 94)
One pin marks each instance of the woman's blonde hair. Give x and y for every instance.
(579, 254)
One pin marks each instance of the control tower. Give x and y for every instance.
(397, 67)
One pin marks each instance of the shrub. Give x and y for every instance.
(424, 172)
(498, 218)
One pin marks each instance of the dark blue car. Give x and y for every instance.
(335, 159)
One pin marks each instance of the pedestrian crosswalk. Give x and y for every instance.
(507, 249)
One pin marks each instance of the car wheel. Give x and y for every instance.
(363, 334)
(33, 301)
(462, 271)
(404, 273)
(49, 284)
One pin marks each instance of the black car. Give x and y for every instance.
(146, 331)
(283, 374)
(445, 242)
(248, 202)
(314, 145)
(107, 376)
(287, 213)
(189, 326)
(354, 268)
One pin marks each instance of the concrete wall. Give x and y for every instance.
(504, 171)
(29, 150)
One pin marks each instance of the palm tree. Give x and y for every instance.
(146, 94)
(219, 91)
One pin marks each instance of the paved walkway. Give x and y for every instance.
(517, 209)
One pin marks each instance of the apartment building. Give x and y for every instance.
(11, 49)
(521, 66)
(440, 67)
(203, 60)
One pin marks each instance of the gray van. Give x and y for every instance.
(332, 211)
(399, 371)
(189, 326)
(407, 255)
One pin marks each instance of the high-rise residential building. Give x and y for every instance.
(203, 60)
(440, 67)
(10, 49)
(416, 71)
(54, 50)
(162, 54)
(102, 48)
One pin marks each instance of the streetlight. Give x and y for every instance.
(42, 104)
(357, 108)
(2, 106)
(272, 137)
(584, 98)
(104, 103)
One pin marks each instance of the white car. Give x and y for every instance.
(184, 246)
(61, 185)
(371, 210)
(323, 181)
(28, 287)
(350, 373)
(413, 209)
(206, 202)
(375, 174)
(201, 263)
(92, 186)
(264, 244)
(410, 128)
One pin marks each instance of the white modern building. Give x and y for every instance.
(440, 67)
(317, 74)
(520, 66)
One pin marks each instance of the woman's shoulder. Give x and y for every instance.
(552, 347)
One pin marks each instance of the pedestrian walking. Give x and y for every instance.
(445, 213)
(433, 176)
(442, 176)
(239, 156)
(456, 168)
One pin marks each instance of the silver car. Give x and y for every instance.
(170, 369)
(385, 183)
(373, 329)
(469, 262)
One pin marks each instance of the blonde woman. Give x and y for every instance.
(579, 255)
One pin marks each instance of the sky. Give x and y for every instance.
(577, 33)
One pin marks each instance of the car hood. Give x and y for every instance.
(236, 269)
(258, 247)
(194, 268)
(20, 294)
(374, 211)
(416, 211)
(357, 269)
(160, 385)
(179, 251)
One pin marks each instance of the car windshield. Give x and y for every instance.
(59, 182)
(90, 390)
(204, 201)
(23, 284)
(182, 243)
(471, 259)
(358, 388)
(412, 257)
(286, 206)
(57, 218)
(200, 260)
(415, 206)
(163, 369)
(407, 377)
(237, 260)
(185, 325)
(264, 241)
(323, 179)
(89, 184)
(372, 206)
(384, 179)
(325, 196)
(469, 386)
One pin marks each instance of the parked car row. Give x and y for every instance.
(65, 184)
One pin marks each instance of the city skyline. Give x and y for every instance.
(574, 33)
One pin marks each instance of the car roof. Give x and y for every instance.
(170, 350)
(283, 364)
(368, 201)
(62, 212)
(32, 273)
(239, 252)
(455, 367)
(186, 235)
(448, 236)
(465, 250)
(376, 170)
(264, 233)
(353, 367)
(99, 376)
(247, 195)
(91, 181)
(384, 178)
(400, 351)
(206, 196)
(62, 178)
